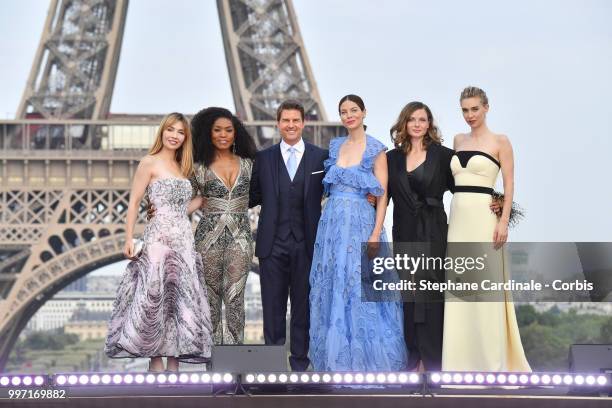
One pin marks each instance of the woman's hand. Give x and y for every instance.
(373, 246)
(500, 235)
(150, 211)
(128, 249)
(496, 206)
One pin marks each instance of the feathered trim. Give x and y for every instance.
(517, 213)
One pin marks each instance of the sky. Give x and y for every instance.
(546, 67)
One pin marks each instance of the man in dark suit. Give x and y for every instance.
(287, 183)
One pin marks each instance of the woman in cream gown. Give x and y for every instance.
(481, 335)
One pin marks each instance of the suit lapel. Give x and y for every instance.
(402, 177)
(306, 159)
(277, 160)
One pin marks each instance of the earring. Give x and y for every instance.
(234, 148)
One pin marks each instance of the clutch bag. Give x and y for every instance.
(138, 246)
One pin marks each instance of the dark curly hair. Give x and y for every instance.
(201, 131)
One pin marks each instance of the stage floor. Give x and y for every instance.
(341, 397)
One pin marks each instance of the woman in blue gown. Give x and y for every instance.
(348, 333)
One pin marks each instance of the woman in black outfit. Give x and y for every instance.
(419, 174)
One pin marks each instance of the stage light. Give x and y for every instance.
(216, 378)
(195, 378)
(337, 378)
(4, 381)
(590, 380)
(250, 378)
(128, 379)
(446, 378)
(436, 378)
(283, 378)
(94, 379)
(293, 378)
(39, 380)
(579, 380)
(490, 379)
(150, 379)
(315, 378)
(392, 378)
(16, 381)
(161, 379)
(479, 378)
(414, 378)
(117, 379)
(380, 378)
(72, 379)
(61, 379)
(83, 379)
(304, 378)
(272, 378)
(172, 378)
(556, 379)
(468, 378)
(327, 378)
(535, 379)
(140, 378)
(546, 379)
(512, 379)
(370, 377)
(206, 378)
(348, 378)
(501, 378)
(602, 380)
(183, 378)
(523, 379)
(568, 380)
(27, 380)
(106, 379)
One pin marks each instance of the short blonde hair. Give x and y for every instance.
(472, 92)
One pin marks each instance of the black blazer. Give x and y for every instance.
(420, 218)
(265, 190)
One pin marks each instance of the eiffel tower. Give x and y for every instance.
(67, 162)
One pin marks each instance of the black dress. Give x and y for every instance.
(420, 227)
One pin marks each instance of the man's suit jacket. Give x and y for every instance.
(265, 191)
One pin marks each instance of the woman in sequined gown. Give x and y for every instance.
(350, 331)
(224, 152)
(161, 309)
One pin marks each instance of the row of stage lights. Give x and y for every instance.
(380, 378)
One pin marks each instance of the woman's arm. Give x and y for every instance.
(141, 180)
(506, 160)
(194, 204)
(255, 188)
(382, 174)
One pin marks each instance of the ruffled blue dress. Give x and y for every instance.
(348, 333)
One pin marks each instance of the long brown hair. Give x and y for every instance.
(184, 154)
(399, 134)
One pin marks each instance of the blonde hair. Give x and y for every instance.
(400, 136)
(184, 154)
(472, 92)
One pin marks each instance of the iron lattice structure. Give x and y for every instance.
(75, 66)
(266, 58)
(66, 168)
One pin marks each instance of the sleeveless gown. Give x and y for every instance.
(161, 307)
(479, 336)
(346, 332)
